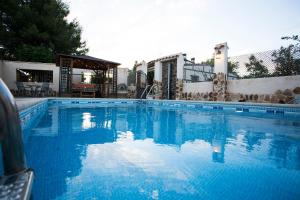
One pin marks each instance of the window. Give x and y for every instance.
(29, 75)
(194, 78)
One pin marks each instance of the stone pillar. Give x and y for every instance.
(219, 87)
(179, 89)
(157, 89)
(220, 69)
(115, 81)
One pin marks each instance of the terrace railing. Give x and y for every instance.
(193, 72)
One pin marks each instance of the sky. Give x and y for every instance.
(126, 31)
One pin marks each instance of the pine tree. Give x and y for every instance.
(35, 30)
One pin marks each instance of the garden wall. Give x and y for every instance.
(263, 85)
(273, 89)
(198, 87)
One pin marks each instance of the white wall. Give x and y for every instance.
(142, 67)
(122, 76)
(180, 64)
(221, 60)
(158, 71)
(200, 87)
(248, 86)
(263, 85)
(9, 74)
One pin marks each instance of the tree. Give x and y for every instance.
(131, 80)
(256, 68)
(233, 67)
(35, 30)
(286, 59)
(210, 62)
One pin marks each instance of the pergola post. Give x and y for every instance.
(107, 82)
(115, 80)
(65, 75)
(70, 76)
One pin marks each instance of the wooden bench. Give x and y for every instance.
(84, 90)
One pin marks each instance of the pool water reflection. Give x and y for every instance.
(140, 152)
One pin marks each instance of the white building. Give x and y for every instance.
(169, 73)
(122, 75)
(37, 73)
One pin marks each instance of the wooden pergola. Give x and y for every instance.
(101, 68)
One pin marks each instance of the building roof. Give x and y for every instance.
(87, 62)
(165, 58)
(219, 46)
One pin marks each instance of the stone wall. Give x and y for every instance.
(280, 96)
(131, 94)
(179, 89)
(158, 89)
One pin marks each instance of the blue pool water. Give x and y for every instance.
(150, 152)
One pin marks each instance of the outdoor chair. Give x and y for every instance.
(36, 91)
(44, 90)
(22, 90)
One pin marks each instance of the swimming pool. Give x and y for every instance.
(128, 149)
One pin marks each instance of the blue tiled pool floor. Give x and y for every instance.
(140, 151)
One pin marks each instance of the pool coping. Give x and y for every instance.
(173, 103)
(183, 101)
(31, 110)
(23, 104)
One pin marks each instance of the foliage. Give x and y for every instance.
(233, 67)
(132, 75)
(210, 62)
(256, 68)
(35, 30)
(32, 53)
(286, 59)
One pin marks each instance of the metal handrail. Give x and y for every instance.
(10, 133)
(292, 101)
(144, 91)
(18, 179)
(154, 85)
(150, 90)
